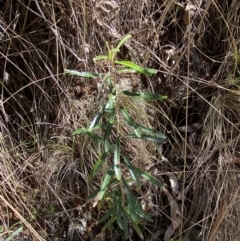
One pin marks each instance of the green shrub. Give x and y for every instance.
(115, 188)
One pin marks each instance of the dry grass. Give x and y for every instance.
(42, 166)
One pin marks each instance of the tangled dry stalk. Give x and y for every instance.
(194, 45)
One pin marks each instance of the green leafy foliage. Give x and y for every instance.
(124, 207)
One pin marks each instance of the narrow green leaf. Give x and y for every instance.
(109, 213)
(108, 46)
(150, 71)
(95, 121)
(15, 233)
(141, 213)
(126, 115)
(95, 137)
(136, 67)
(130, 121)
(108, 195)
(100, 126)
(117, 159)
(137, 132)
(80, 131)
(82, 74)
(111, 103)
(108, 131)
(152, 131)
(98, 164)
(111, 54)
(145, 95)
(87, 131)
(110, 85)
(106, 182)
(146, 137)
(125, 224)
(109, 223)
(124, 39)
(132, 94)
(153, 138)
(111, 108)
(131, 65)
(127, 209)
(118, 203)
(148, 177)
(138, 230)
(107, 146)
(126, 70)
(152, 96)
(131, 201)
(131, 169)
(93, 194)
(144, 216)
(100, 57)
(111, 116)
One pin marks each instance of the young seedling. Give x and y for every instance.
(115, 187)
